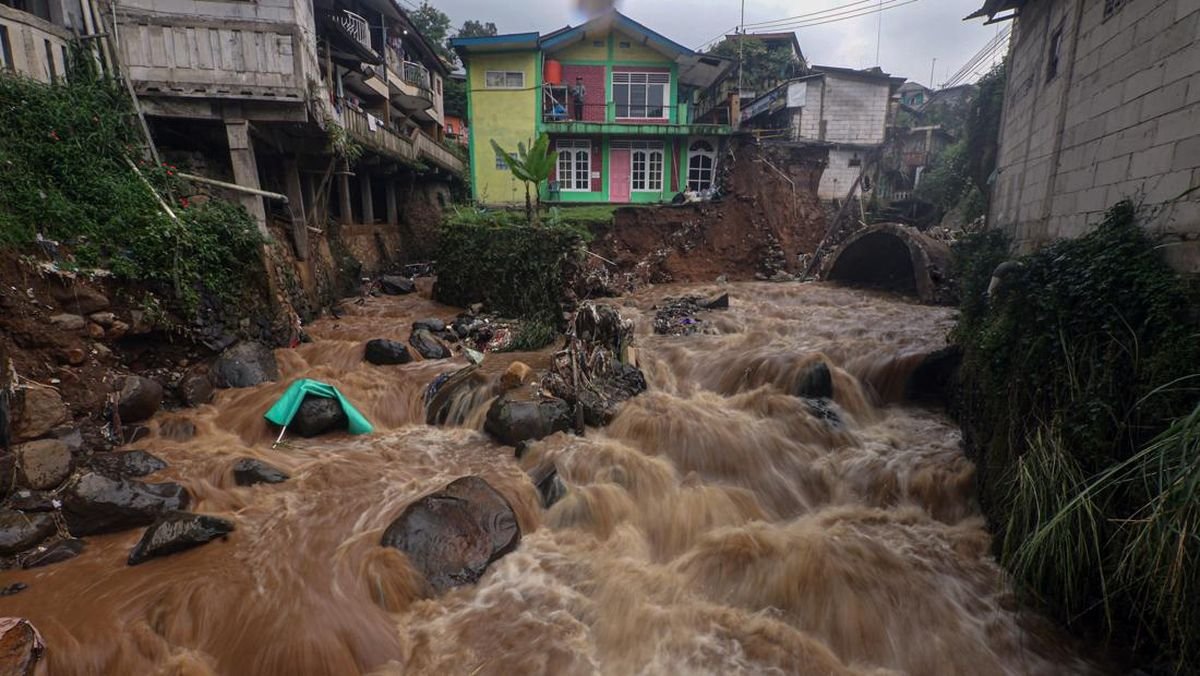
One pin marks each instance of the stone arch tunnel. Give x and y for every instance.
(893, 257)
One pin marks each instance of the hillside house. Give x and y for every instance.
(846, 109)
(632, 138)
(1102, 103)
(35, 34)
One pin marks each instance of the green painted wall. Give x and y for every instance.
(508, 116)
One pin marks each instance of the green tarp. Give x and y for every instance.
(285, 409)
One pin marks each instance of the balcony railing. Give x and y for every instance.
(612, 113)
(355, 25)
(418, 146)
(416, 74)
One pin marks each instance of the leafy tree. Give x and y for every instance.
(983, 127)
(434, 24)
(476, 29)
(763, 66)
(454, 97)
(532, 167)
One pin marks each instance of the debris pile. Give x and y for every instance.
(677, 317)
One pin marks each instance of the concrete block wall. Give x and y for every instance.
(839, 175)
(855, 110)
(1121, 118)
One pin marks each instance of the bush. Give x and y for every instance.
(65, 175)
(1072, 368)
(514, 269)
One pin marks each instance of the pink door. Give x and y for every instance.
(618, 176)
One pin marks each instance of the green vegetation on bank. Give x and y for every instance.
(65, 174)
(1079, 398)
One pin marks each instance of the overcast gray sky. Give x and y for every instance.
(914, 32)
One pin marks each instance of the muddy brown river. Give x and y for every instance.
(718, 526)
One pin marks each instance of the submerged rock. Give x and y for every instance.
(815, 383)
(245, 365)
(395, 285)
(20, 531)
(124, 464)
(513, 421)
(318, 415)
(21, 647)
(44, 464)
(383, 352)
(432, 325)
(55, 552)
(550, 486)
(176, 532)
(249, 471)
(427, 345)
(96, 503)
(139, 399)
(451, 536)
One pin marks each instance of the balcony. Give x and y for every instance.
(601, 118)
(355, 26)
(418, 147)
(410, 87)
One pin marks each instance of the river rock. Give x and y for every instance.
(383, 352)
(431, 324)
(318, 415)
(80, 299)
(550, 487)
(248, 472)
(42, 411)
(8, 473)
(53, 552)
(816, 382)
(176, 532)
(602, 399)
(395, 285)
(103, 319)
(427, 345)
(25, 500)
(68, 322)
(43, 464)
(451, 536)
(512, 421)
(125, 464)
(139, 400)
(96, 504)
(517, 374)
(21, 647)
(196, 387)
(20, 531)
(245, 365)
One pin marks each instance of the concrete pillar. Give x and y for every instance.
(393, 211)
(344, 199)
(296, 205)
(368, 199)
(245, 169)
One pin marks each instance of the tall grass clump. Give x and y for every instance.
(1080, 378)
(65, 174)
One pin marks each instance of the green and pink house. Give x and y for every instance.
(647, 127)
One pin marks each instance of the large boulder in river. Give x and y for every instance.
(20, 531)
(196, 387)
(427, 345)
(384, 352)
(176, 532)
(124, 464)
(451, 536)
(139, 399)
(318, 415)
(21, 647)
(815, 382)
(512, 421)
(95, 503)
(245, 365)
(44, 464)
(395, 285)
(248, 472)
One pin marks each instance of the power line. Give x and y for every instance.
(844, 16)
(989, 50)
(809, 14)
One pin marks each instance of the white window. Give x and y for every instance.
(501, 163)
(504, 79)
(574, 166)
(641, 96)
(702, 161)
(647, 165)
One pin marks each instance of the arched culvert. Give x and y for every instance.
(893, 257)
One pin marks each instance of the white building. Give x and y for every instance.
(1102, 104)
(846, 109)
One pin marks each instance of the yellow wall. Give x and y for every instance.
(507, 116)
(584, 51)
(635, 51)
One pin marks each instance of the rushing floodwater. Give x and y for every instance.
(717, 526)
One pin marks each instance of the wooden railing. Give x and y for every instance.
(378, 137)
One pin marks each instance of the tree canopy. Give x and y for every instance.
(763, 66)
(434, 24)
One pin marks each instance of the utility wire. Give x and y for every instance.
(807, 15)
(842, 16)
(989, 50)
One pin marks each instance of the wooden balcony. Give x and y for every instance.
(420, 148)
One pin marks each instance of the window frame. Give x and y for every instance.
(645, 106)
(649, 178)
(711, 155)
(572, 149)
(504, 74)
(1054, 53)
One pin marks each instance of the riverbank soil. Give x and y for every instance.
(732, 518)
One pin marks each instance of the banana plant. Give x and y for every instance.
(531, 166)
